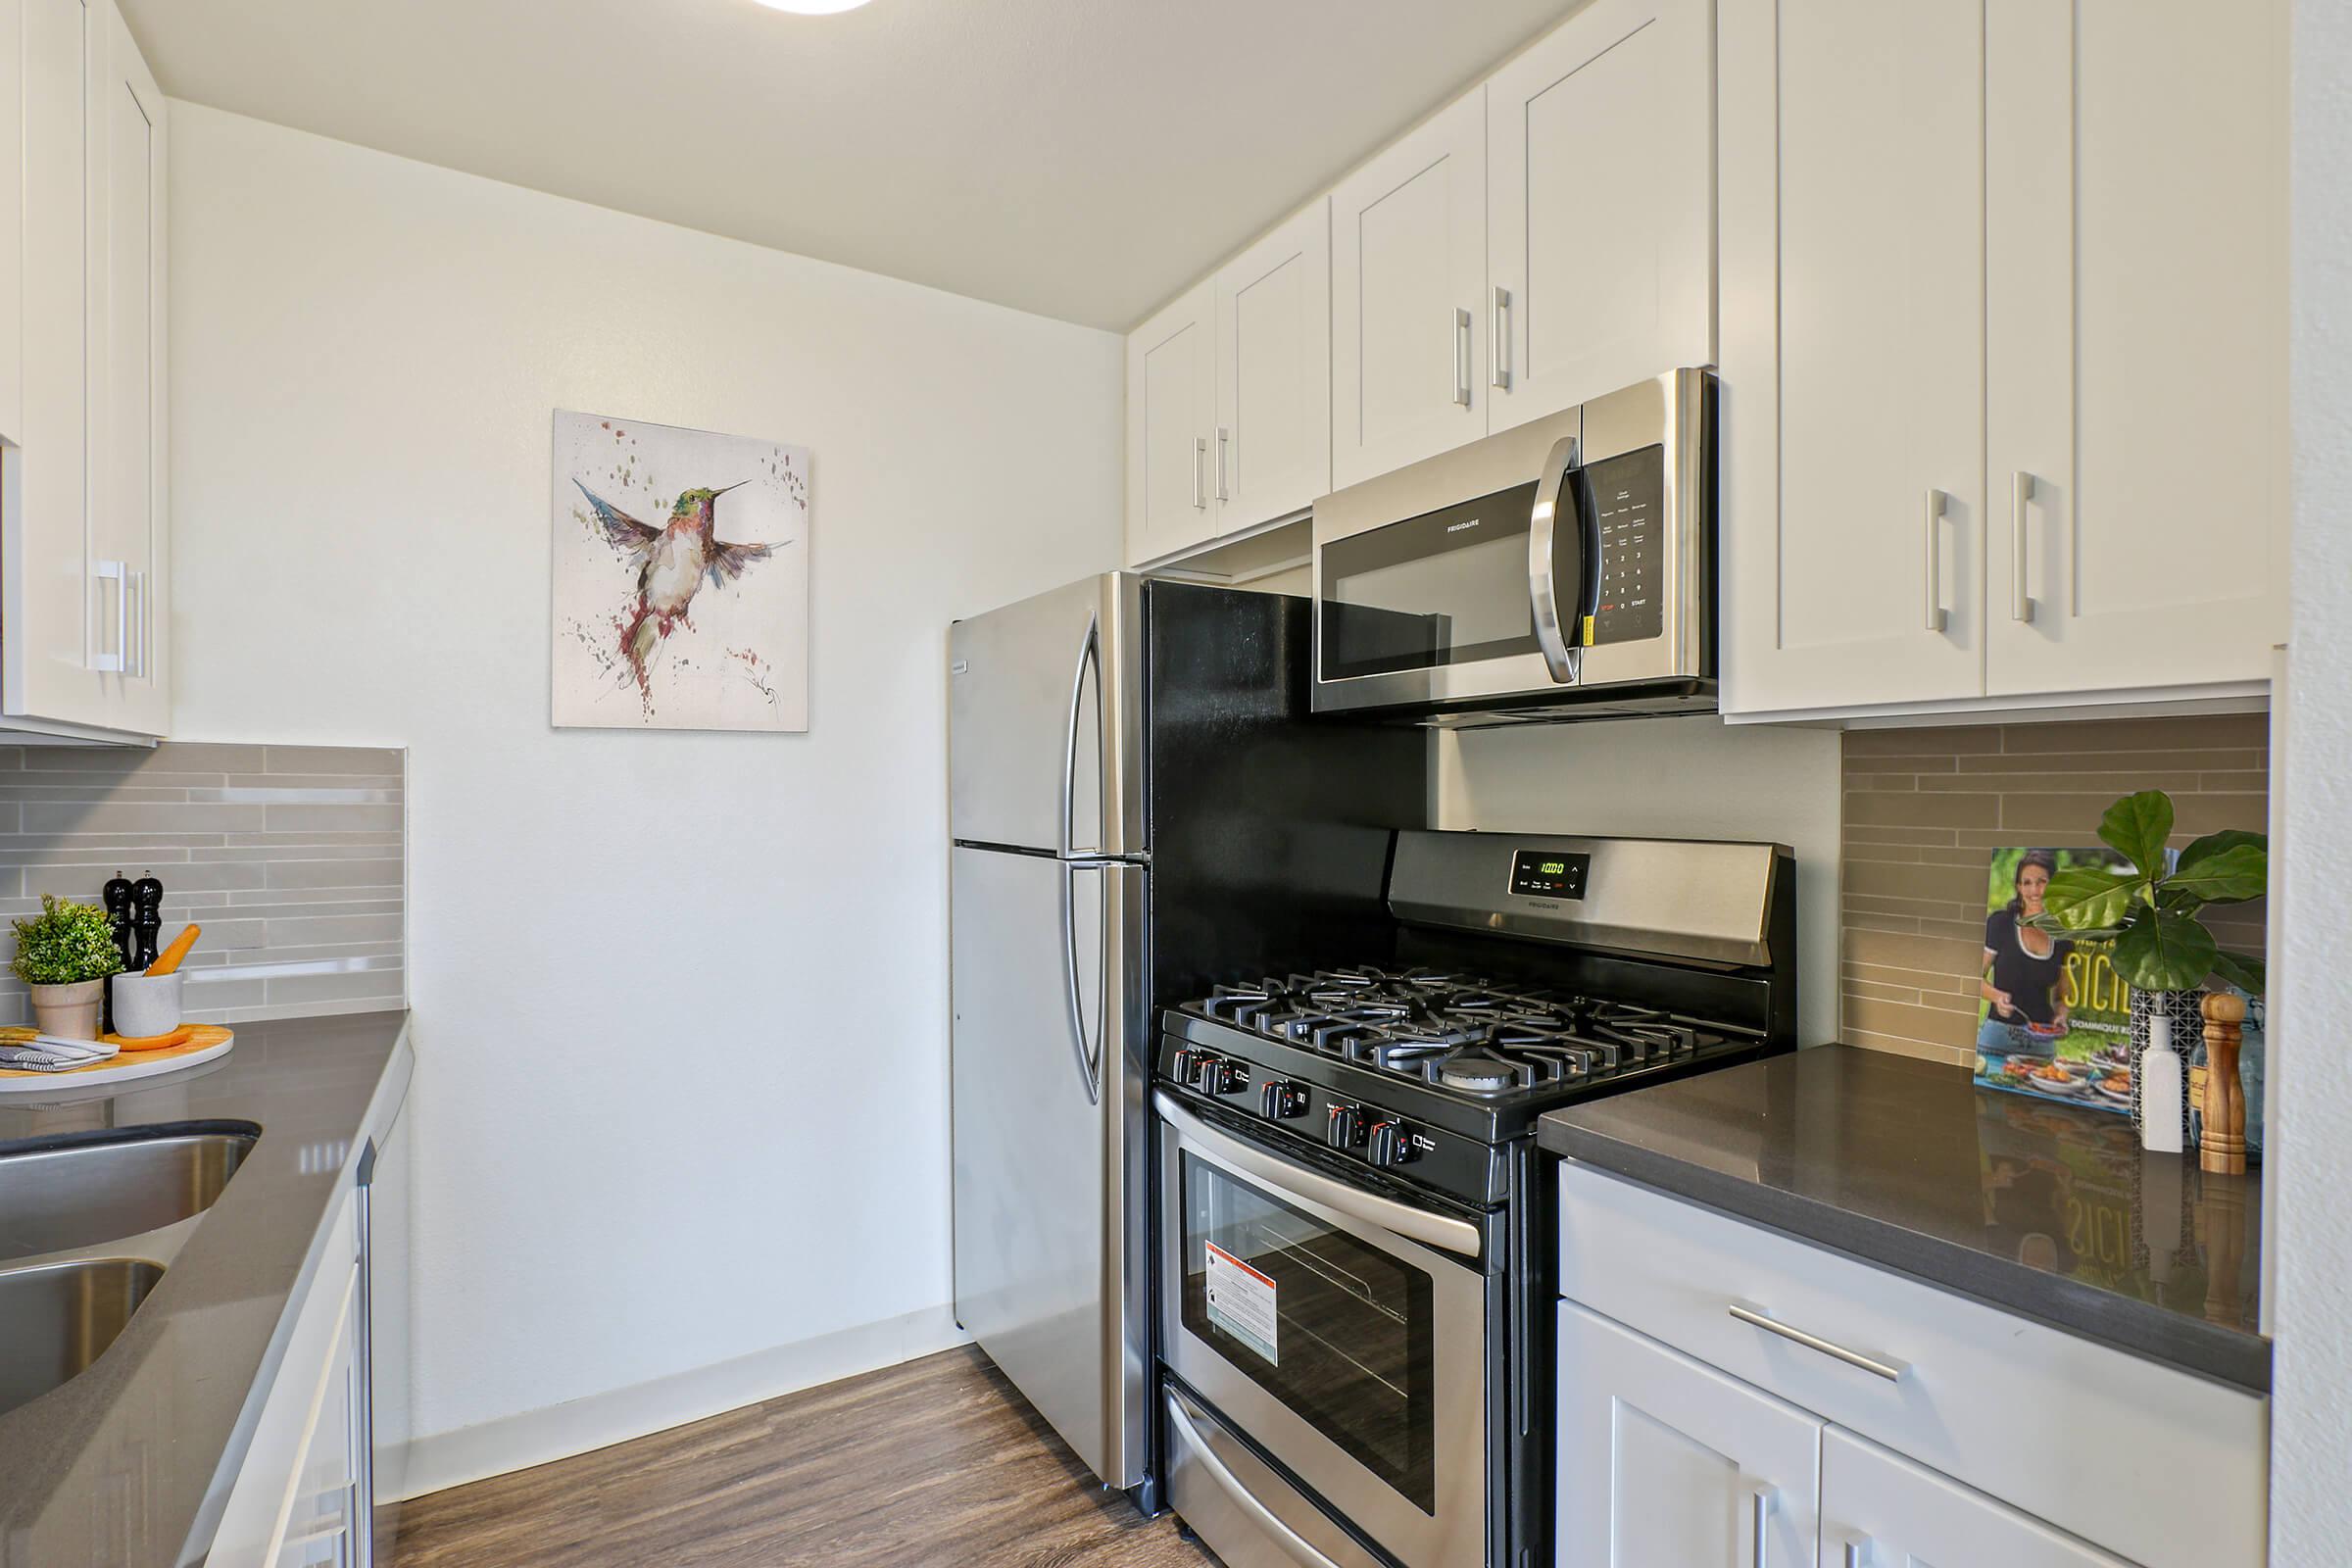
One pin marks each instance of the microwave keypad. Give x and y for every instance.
(1626, 498)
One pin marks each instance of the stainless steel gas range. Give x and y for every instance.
(1354, 1245)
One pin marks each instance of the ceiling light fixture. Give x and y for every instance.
(813, 7)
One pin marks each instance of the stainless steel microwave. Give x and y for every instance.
(1562, 570)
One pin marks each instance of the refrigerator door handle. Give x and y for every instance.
(1088, 1064)
(1090, 654)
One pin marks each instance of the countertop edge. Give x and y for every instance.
(383, 1108)
(2227, 1356)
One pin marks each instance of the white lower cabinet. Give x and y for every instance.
(1879, 1510)
(1666, 1461)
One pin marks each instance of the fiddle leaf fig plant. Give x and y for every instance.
(2150, 912)
(64, 945)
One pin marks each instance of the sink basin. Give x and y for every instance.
(57, 1318)
(54, 1199)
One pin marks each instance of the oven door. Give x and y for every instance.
(1341, 1331)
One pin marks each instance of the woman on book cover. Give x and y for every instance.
(2026, 990)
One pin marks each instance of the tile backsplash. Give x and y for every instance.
(291, 858)
(1926, 807)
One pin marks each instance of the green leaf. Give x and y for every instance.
(2081, 897)
(2243, 970)
(2164, 951)
(2228, 837)
(2137, 825)
(2225, 876)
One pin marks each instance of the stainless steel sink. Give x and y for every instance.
(60, 1200)
(57, 1318)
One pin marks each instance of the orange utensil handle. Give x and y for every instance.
(178, 950)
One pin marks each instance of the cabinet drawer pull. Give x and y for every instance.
(1499, 341)
(1458, 327)
(1224, 439)
(1934, 573)
(1853, 1553)
(1892, 1371)
(1199, 456)
(1763, 1526)
(2021, 607)
(118, 573)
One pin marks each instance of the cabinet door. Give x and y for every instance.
(61, 621)
(1854, 352)
(1665, 1461)
(129, 522)
(1882, 1511)
(1171, 415)
(1272, 451)
(11, 228)
(1600, 205)
(2135, 198)
(1409, 275)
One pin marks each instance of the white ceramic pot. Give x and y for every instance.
(68, 1012)
(146, 1005)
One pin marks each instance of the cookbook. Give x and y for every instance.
(2053, 1017)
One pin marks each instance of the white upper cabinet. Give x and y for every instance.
(2137, 290)
(1882, 1511)
(2004, 395)
(1272, 445)
(1858, 566)
(1171, 421)
(1408, 290)
(1663, 1459)
(84, 529)
(1600, 207)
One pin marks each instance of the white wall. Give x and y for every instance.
(680, 999)
(2309, 1163)
(1688, 777)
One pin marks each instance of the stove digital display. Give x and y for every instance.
(1550, 873)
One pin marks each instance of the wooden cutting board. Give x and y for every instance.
(205, 1042)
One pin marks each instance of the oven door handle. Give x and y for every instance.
(1542, 584)
(1298, 1546)
(1456, 1236)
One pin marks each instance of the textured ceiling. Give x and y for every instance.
(1084, 158)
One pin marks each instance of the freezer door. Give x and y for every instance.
(1047, 1099)
(1045, 721)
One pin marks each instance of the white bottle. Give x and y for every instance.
(2161, 1089)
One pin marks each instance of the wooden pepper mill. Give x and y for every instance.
(2223, 1149)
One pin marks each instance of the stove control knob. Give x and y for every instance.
(1343, 1128)
(1184, 1065)
(1389, 1143)
(1217, 1076)
(1281, 1102)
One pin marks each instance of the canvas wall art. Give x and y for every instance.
(681, 579)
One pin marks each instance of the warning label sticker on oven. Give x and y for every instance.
(1240, 1301)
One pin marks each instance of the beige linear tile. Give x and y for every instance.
(1895, 833)
(1896, 1044)
(299, 873)
(1858, 764)
(331, 760)
(1890, 854)
(1912, 951)
(1916, 979)
(1879, 783)
(171, 823)
(1923, 810)
(1870, 992)
(2112, 786)
(1934, 1026)
(1920, 740)
(2138, 734)
(1961, 885)
(1887, 924)
(2104, 762)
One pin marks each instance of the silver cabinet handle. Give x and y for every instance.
(2021, 607)
(138, 622)
(1755, 1317)
(1224, 439)
(1763, 1502)
(1200, 454)
(120, 573)
(1853, 1553)
(1934, 573)
(1499, 339)
(1459, 327)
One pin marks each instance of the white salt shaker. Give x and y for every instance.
(2161, 1087)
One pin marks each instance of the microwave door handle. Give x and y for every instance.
(1544, 589)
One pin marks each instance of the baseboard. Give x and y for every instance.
(580, 1426)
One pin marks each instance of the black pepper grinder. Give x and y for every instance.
(117, 897)
(147, 900)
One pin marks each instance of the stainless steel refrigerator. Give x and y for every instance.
(1142, 803)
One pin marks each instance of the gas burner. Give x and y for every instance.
(1479, 1071)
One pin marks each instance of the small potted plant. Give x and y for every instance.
(2149, 911)
(63, 956)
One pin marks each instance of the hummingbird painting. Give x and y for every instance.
(673, 564)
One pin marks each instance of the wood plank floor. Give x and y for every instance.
(937, 1461)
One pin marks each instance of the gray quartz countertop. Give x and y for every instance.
(128, 1464)
(2047, 1210)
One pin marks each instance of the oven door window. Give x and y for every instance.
(1338, 1331)
(1449, 587)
